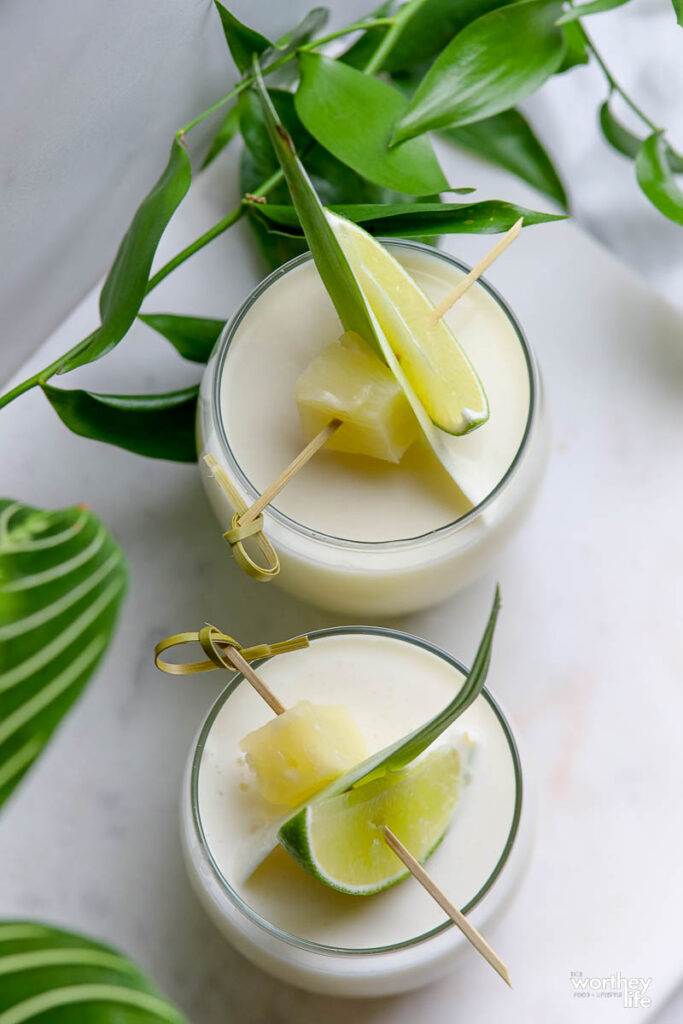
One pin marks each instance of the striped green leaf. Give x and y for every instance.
(47, 974)
(62, 579)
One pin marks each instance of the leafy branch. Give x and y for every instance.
(361, 123)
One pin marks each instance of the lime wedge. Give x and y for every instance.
(340, 842)
(434, 364)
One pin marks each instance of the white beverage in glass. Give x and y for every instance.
(291, 924)
(355, 534)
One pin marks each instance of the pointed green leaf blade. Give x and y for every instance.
(62, 977)
(508, 140)
(243, 42)
(594, 7)
(628, 144)
(159, 426)
(126, 283)
(656, 179)
(352, 115)
(678, 11)
(494, 63)
(410, 220)
(62, 579)
(229, 128)
(332, 265)
(192, 336)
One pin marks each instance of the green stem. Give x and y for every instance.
(614, 85)
(398, 23)
(249, 80)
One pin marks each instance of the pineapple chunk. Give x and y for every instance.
(347, 381)
(301, 750)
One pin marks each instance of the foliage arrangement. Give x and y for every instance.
(362, 123)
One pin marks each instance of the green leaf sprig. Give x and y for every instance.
(443, 65)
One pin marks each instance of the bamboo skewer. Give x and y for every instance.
(395, 844)
(304, 456)
(476, 272)
(264, 691)
(458, 918)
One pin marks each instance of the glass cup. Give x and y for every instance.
(360, 970)
(389, 577)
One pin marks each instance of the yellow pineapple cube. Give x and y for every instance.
(301, 750)
(347, 381)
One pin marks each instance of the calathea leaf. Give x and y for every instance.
(58, 976)
(656, 179)
(159, 426)
(62, 579)
(508, 140)
(352, 115)
(410, 220)
(192, 336)
(494, 63)
(124, 288)
(628, 144)
(243, 42)
(593, 7)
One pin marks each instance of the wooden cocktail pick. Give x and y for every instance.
(475, 273)
(456, 916)
(233, 656)
(319, 441)
(304, 456)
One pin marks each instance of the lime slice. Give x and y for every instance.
(340, 842)
(434, 364)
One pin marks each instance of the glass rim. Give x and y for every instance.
(223, 345)
(309, 944)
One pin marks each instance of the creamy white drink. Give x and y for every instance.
(292, 924)
(354, 533)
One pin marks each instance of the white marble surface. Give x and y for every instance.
(588, 655)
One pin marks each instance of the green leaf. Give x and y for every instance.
(409, 220)
(576, 50)
(352, 115)
(430, 28)
(507, 139)
(628, 144)
(411, 746)
(494, 63)
(313, 22)
(333, 268)
(124, 288)
(193, 336)
(159, 426)
(61, 977)
(594, 7)
(229, 128)
(656, 179)
(62, 579)
(678, 10)
(243, 42)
